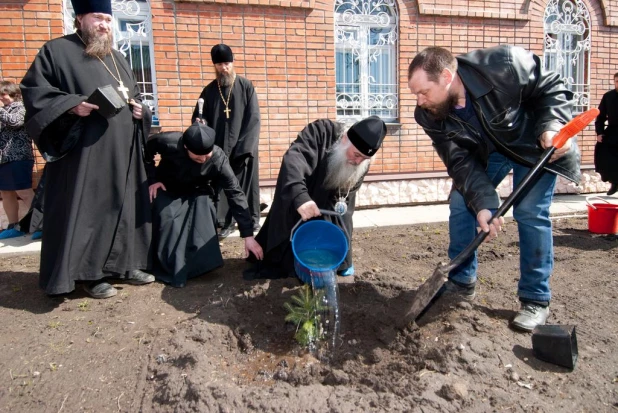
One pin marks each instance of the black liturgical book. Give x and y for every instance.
(108, 101)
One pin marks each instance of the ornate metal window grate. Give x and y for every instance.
(567, 47)
(366, 59)
(133, 37)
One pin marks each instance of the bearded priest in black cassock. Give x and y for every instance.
(231, 109)
(96, 208)
(323, 169)
(184, 217)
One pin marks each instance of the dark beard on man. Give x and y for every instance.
(339, 173)
(96, 45)
(442, 110)
(226, 79)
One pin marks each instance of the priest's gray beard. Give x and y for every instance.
(226, 79)
(339, 173)
(97, 45)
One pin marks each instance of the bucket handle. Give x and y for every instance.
(324, 212)
(597, 197)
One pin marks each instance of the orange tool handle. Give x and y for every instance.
(575, 126)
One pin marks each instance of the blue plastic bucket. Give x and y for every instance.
(319, 248)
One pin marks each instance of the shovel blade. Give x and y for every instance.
(424, 294)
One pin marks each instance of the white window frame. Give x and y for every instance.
(366, 34)
(567, 33)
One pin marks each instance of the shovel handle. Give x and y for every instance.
(568, 131)
(576, 125)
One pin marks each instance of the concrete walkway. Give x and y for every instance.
(563, 205)
(379, 217)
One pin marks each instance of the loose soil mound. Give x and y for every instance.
(221, 345)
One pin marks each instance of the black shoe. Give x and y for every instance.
(138, 277)
(458, 290)
(612, 189)
(263, 206)
(100, 289)
(226, 232)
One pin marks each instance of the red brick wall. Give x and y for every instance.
(26, 25)
(286, 49)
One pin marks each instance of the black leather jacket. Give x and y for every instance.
(515, 101)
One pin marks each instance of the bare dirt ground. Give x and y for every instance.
(221, 343)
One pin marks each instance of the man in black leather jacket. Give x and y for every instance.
(489, 112)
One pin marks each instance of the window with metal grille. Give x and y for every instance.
(133, 38)
(366, 59)
(567, 47)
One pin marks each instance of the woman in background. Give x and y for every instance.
(16, 157)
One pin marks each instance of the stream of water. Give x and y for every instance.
(326, 293)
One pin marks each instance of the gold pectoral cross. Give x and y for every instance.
(227, 112)
(123, 89)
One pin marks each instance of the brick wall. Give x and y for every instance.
(286, 49)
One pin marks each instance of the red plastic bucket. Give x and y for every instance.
(602, 217)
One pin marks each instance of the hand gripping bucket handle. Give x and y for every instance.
(319, 248)
(323, 212)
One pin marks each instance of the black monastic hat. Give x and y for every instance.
(367, 135)
(221, 53)
(92, 6)
(199, 139)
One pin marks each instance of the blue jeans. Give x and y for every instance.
(531, 211)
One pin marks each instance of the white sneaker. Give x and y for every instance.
(529, 316)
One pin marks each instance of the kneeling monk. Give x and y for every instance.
(183, 187)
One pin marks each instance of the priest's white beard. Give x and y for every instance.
(97, 45)
(226, 79)
(339, 173)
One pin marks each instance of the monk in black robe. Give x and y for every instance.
(230, 107)
(98, 221)
(323, 169)
(184, 217)
(606, 148)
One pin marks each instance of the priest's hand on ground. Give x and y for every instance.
(152, 190)
(251, 245)
(309, 210)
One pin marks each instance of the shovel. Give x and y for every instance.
(429, 288)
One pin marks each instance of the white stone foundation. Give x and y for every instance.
(436, 190)
(417, 191)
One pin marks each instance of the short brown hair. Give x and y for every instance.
(11, 89)
(433, 60)
(615, 75)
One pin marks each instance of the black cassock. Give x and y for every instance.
(238, 136)
(96, 206)
(606, 152)
(301, 177)
(184, 216)
(33, 220)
